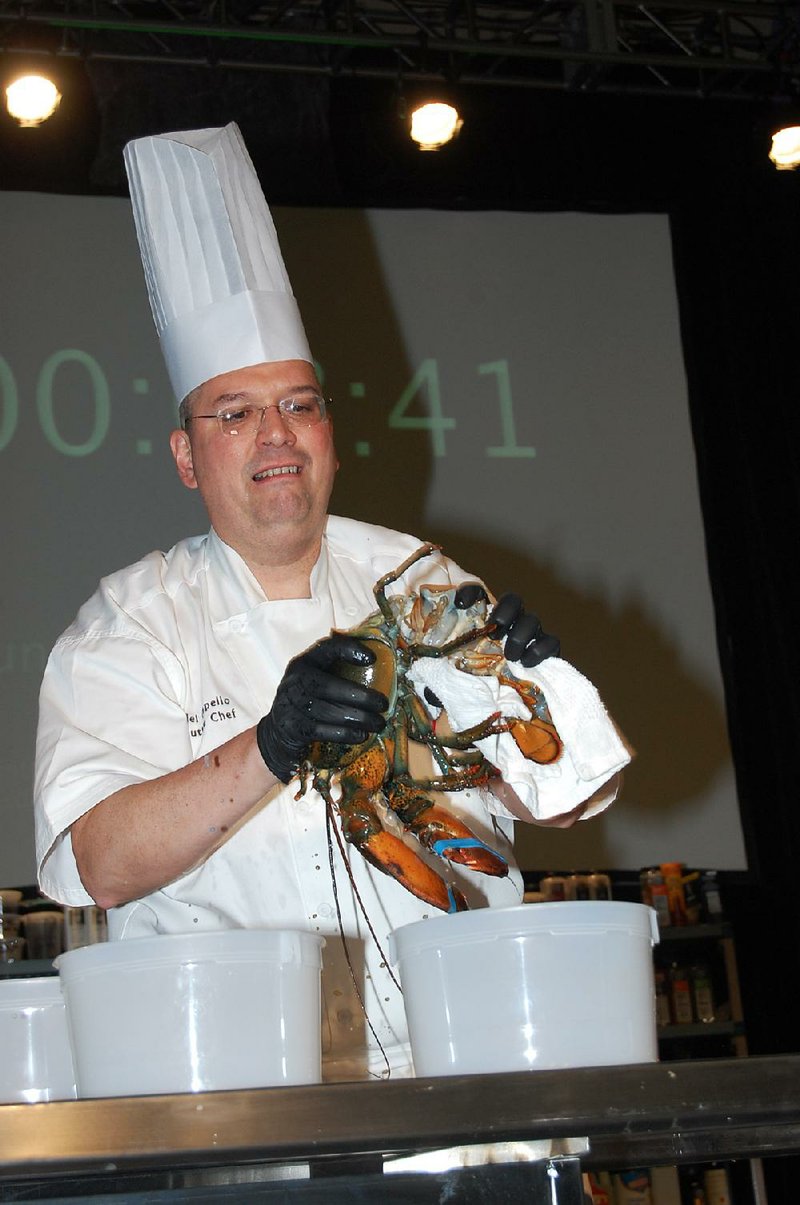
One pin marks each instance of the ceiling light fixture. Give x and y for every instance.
(434, 123)
(32, 97)
(785, 150)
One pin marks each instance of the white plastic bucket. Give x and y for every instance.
(194, 1013)
(35, 1054)
(566, 984)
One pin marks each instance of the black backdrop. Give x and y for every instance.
(736, 238)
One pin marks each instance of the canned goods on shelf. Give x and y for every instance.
(553, 887)
(599, 886)
(579, 887)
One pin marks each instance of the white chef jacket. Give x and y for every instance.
(170, 658)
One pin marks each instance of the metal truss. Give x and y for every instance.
(712, 48)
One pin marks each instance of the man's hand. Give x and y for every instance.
(525, 640)
(314, 703)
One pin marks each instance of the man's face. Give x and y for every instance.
(249, 501)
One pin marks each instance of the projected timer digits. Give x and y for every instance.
(45, 402)
(423, 391)
(426, 381)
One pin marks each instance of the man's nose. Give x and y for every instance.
(273, 428)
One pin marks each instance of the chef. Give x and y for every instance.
(176, 709)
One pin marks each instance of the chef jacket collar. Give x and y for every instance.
(234, 590)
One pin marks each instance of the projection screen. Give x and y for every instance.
(508, 385)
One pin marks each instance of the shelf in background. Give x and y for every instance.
(700, 1029)
(27, 968)
(701, 932)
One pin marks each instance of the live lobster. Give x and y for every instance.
(373, 778)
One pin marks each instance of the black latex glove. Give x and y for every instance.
(314, 703)
(525, 640)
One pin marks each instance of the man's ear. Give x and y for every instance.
(181, 449)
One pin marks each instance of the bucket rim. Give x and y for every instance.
(184, 949)
(524, 920)
(33, 990)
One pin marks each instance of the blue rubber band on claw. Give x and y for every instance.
(439, 847)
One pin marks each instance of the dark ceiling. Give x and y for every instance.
(595, 103)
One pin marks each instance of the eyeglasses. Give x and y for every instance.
(299, 410)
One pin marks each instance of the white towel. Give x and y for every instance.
(594, 752)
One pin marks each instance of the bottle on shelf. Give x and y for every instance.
(663, 1009)
(600, 1188)
(676, 900)
(680, 994)
(717, 1186)
(695, 1192)
(654, 893)
(632, 1187)
(693, 897)
(712, 900)
(702, 991)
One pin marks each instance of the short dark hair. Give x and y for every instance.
(185, 407)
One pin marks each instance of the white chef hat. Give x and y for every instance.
(218, 288)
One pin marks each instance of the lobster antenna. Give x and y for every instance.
(330, 824)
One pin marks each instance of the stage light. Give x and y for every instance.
(785, 151)
(434, 123)
(32, 98)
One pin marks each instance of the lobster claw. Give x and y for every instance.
(363, 827)
(468, 594)
(443, 833)
(537, 740)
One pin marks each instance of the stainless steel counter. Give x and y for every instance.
(635, 1115)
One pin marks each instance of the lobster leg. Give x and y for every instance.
(460, 772)
(388, 578)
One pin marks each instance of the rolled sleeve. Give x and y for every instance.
(111, 713)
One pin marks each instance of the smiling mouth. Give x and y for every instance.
(284, 470)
